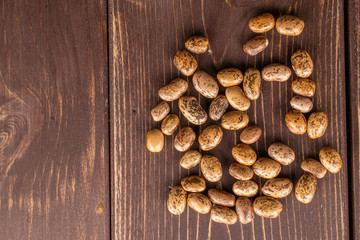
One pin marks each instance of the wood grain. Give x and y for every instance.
(353, 79)
(144, 37)
(54, 168)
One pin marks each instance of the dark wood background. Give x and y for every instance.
(78, 80)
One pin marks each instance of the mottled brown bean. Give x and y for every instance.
(256, 45)
(218, 107)
(184, 139)
(211, 168)
(205, 84)
(240, 171)
(296, 122)
(313, 166)
(154, 140)
(290, 25)
(176, 201)
(244, 210)
(193, 183)
(276, 72)
(277, 187)
(330, 159)
(252, 83)
(223, 214)
(237, 98)
(301, 103)
(305, 188)
(244, 154)
(175, 89)
(190, 159)
(304, 87)
(192, 110)
(230, 77)
(266, 168)
(245, 188)
(221, 197)
(302, 63)
(170, 124)
(281, 153)
(317, 124)
(262, 23)
(210, 137)
(197, 44)
(199, 202)
(267, 207)
(159, 112)
(234, 120)
(185, 62)
(250, 134)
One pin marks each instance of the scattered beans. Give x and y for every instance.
(317, 124)
(190, 159)
(159, 112)
(304, 87)
(205, 84)
(331, 159)
(302, 63)
(276, 72)
(302, 104)
(191, 109)
(266, 168)
(281, 153)
(199, 202)
(256, 45)
(154, 140)
(277, 187)
(197, 44)
(170, 124)
(221, 197)
(176, 201)
(193, 183)
(244, 210)
(175, 89)
(218, 107)
(245, 188)
(210, 137)
(250, 134)
(230, 77)
(185, 62)
(244, 154)
(289, 25)
(240, 171)
(313, 166)
(296, 122)
(223, 214)
(184, 139)
(305, 188)
(262, 23)
(237, 99)
(211, 168)
(267, 207)
(252, 83)
(234, 120)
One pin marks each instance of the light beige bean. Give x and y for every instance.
(230, 77)
(197, 44)
(176, 201)
(256, 45)
(276, 72)
(250, 134)
(244, 154)
(237, 99)
(252, 83)
(184, 139)
(193, 183)
(185, 62)
(277, 187)
(240, 171)
(244, 210)
(205, 84)
(301, 103)
(305, 188)
(221, 197)
(192, 110)
(290, 25)
(161, 110)
(175, 89)
(281, 153)
(218, 107)
(234, 120)
(267, 207)
(199, 202)
(210, 137)
(262, 23)
(330, 159)
(266, 168)
(223, 214)
(211, 168)
(170, 124)
(245, 188)
(313, 166)
(190, 159)
(296, 122)
(304, 87)
(317, 124)
(302, 63)
(154, 140)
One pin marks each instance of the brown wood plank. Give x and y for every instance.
(54, 168)
(144, 36)
(353, 64)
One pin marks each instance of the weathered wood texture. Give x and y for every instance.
(353, 80)
(144, 36)
(54, 166)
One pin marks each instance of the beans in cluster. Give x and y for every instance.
(225, 207)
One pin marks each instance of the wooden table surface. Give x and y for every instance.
(78, 79)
